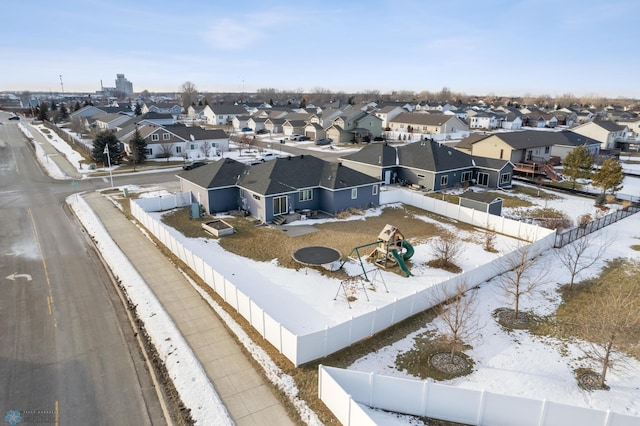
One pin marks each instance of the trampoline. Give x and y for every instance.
(316, 255)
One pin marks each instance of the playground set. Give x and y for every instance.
(391, 249)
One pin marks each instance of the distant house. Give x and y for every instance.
(387, 113)
(177, 141)
(163, 108)
(222, 115)
(281, 186)
(427, 123)
(529, 150)
(566, 141)
(484, 120)
(110, 121)
(429, 165)
(354, 125)
(607, 133)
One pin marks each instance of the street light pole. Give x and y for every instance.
(106, 151)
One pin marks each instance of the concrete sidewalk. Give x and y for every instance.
(53, 154)
(246, 394)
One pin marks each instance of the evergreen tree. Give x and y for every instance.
(609, 176)
(138, 146)
(54, 107)
(578, 164)
(102, 140)
(138, 109)
(43, 112)
(77, 106)
(271, 102)
(303, 103)
(64, 112)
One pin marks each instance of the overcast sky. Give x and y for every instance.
(502, 47)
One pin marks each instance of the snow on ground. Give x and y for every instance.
(518, 363)
(514, 363)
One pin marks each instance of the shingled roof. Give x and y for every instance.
(380, 154)
(218, 174)
(431, 155)
(305, 171)
(421, 119)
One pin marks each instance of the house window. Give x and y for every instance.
(193, 146)
(483, 179)
(165, 136)
(280, 205)
(305, 195)
(354, 193)
(529, 155)
(444, 180)
(256, 197)
(374, 190)
(505, 178)
(148, 151)
(501, 154)
(466, 176)
(155, 137)
(547, 149)
(178, 149)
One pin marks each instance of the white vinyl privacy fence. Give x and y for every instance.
(345, 392)
(300, 349)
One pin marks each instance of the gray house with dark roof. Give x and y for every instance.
(279, 187)
(430, 165)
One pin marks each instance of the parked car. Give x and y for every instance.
(193, 165)
(14, 117)
(262, 132)
(247, 129)
(324, 141)
(268, 156)
(295, 137)
(304, 138)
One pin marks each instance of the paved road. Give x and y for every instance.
(67, 354)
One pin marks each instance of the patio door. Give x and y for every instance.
(483, 179)
(280, 205)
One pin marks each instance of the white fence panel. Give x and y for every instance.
(219, 284)
(311, 346)
(338, 337)
(561, 414)
(257, 318)
(505, 410)
(289, 345)
(230, 292)
(361, 326)
(453, 404)
(243, 305)
(616, 419)
(272, 330)
(383, 318)
(399, 395)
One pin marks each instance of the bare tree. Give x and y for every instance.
(523, 277)
(582, 254)
(446, 248)
(165, 150)
(458, 314)
(205, 148)
(606, 319)
(189, 94)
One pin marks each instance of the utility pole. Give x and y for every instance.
(61, 85)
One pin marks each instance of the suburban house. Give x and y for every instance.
(354, 125)
(427, 123)
(222, 115)
(240, 121)
(529, 150)
(388, 112)
(607, 133)
(484, 120)
(539, 119)
(293, 127)
(163, 108)
(176, 140)
(110, 121)
(566, 141)
(510, 121)
(279, 187)
(429, 165)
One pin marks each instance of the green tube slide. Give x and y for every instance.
(409, 250)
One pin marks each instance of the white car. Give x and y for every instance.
(266, 157)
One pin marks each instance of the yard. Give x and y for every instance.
(383, 353)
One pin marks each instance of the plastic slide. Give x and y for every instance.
(400, 261)
(409, 250)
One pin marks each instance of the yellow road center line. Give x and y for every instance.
(44, 265)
